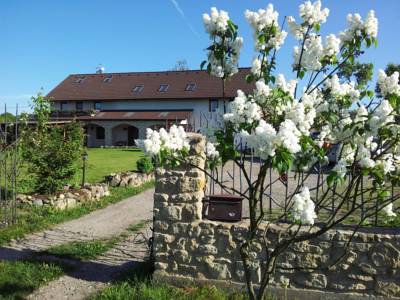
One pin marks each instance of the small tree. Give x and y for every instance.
(50, 150)
(277, 123)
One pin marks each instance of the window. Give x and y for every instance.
(138, 88)
(79, 106)
(97, 105)
(107, 78)
(64, 106)
(213, 106)
(100, 133)
(190, 87)
(163, 88)
(80, 79)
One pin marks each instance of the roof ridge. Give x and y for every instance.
(148, 72)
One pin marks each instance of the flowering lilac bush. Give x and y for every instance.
(291, 124)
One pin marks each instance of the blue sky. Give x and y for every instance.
(45, 40)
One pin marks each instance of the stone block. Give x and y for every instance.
(207, 249)
(172, 213)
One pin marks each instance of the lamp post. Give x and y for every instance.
(84, 159)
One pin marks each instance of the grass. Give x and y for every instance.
(103, 162)
(39, 218)
(137, 284)
(87, 250)
(19, 278)
(82, 250)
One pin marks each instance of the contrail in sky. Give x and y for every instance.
(182, 13)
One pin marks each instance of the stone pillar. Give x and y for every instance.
(177, 205)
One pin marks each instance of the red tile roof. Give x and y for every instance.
(95, 87)
(138, 115)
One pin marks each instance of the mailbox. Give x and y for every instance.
(224, 207)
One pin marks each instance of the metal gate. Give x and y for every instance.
(8, 167)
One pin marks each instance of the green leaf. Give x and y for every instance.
(203, 63)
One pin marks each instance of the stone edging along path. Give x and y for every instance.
(101, 224)
(71, 197)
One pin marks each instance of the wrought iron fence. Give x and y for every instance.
(9, 128)
(279, 189)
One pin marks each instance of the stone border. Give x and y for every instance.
(71, 197)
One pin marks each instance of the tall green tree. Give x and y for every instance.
(51, 151)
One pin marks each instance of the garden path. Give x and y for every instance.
(101, 224)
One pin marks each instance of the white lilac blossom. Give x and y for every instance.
(332, 45)
(340, 168)
(388, 85)
(263, 141)
(312, 14)
(173, 140)
(216, 22)
(342, 89)
(357, 27)
(243, 110)
(288, 86)
(388, 210)
(303, 116)
(262, 92)
(211, 151)
(324, 135)
(386, 163)
(381, 116)
(311, 55)
(295, 29)
(361, 114)
(262, 22)
(364, 157)
(289, 136)
(256, 67)
(304, 207)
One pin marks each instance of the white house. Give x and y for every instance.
(116, 108)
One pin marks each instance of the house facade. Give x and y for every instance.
(117, 108)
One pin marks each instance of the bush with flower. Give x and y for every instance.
(290, 124)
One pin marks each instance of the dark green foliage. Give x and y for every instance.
(51, 151)
(145, 165)
(362, 72)
(7, 117)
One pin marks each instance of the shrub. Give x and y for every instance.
(51, 151)
(145, 165)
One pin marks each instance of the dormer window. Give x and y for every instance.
(80, 79)
(163, 88)
(138, 88)
(190, 87)
(107, 78)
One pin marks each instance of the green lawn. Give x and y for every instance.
(20, 278)
(103, 162)
(137, 284)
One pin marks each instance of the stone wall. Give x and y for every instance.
(69, 198)
(189, 248)
(132, 179)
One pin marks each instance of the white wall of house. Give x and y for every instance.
(199, 117)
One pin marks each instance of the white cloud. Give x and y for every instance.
(182, 13)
